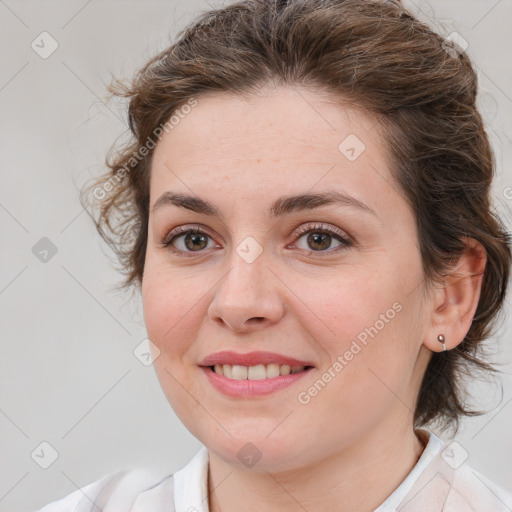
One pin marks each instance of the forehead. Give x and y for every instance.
(308, 119)
(282, 141)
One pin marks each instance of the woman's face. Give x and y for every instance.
(272, 274)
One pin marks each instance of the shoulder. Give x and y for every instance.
(449, 484)
(477, 492)
(119, 490)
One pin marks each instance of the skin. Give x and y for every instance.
(354, 442)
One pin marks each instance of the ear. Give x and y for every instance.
(454, 304)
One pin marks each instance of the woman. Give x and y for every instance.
(305, 208)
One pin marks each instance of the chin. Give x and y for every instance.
(257, 452)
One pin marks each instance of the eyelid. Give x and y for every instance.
(185, 229)
(321, 226)
(303, 228)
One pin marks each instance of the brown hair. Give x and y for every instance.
(381, 58)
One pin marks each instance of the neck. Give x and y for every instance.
(357, 479)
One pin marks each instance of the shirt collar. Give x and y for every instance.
(432, 448)
(191, 482)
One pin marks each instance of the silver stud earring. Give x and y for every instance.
(441, 339)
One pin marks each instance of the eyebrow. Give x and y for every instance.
(280, 207)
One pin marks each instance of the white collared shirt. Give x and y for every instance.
(439, 482)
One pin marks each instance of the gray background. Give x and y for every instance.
(68, 375)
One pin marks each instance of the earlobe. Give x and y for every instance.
(455, 303)
(442, 340)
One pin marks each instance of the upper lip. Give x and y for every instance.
(250, 359)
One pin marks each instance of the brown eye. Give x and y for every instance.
(320, 237)
(182, 240)
(320, 241)
(195, 241)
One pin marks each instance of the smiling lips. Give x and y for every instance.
(253, 373)
(253, 365)
(256, 372)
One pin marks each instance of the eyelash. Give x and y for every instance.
(314, 228)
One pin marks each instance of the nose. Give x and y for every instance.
(249, 296)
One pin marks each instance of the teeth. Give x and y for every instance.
(239, 372)
(257, 372)
(272, 371)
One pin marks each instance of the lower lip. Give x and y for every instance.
(246, 387)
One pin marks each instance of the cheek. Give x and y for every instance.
(343, 305)
(361, 321)
(172, 317)
(372, 354)
(170, 312)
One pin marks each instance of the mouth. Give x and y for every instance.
(256, 372)
(253, 374)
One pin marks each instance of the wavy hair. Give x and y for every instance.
(379, 57)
